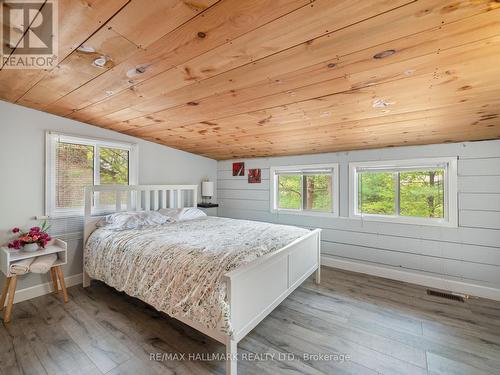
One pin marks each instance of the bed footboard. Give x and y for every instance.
(257, 288)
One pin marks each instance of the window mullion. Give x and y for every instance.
(359, 193)
(97, 177)
(302, 187)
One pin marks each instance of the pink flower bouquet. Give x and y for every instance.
(36, 235)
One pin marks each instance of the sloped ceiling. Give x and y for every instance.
(245, 78)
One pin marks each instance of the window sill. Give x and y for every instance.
(305, 213)
(405, 220)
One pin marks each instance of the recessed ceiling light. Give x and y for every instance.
(384, 54)
(100, 61)
(86, 49)
(380, 103)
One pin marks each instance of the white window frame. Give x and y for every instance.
(52, 138)
(450, 190)
(303, 168)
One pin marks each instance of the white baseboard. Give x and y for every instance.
(414, 278)
(41, 289)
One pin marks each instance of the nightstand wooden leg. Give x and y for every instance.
(53, 276)
(62, 283)
(4, 292)
(10, 303)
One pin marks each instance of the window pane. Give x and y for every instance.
(113, 166)
(422, 194)
(376, 193)
(289, 191)
(113, 169)
(74, 171)
(318, 192)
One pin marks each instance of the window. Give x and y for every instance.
(306, 189)
(73, 163)
(412, 191)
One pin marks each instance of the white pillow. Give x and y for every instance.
(132, 220)
(182, 214)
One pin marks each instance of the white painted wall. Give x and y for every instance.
(22, 171)
(463, 259)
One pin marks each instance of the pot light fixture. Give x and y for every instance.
(100, 62)
(381, 103)
(86, 49)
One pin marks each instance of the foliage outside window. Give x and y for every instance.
(304, 189)
(405, 191)
(74, 163)
(113, 170)
(290, 192)
(416, 193)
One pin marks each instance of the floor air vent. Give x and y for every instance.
(453, 297)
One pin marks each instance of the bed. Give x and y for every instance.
(220, 276)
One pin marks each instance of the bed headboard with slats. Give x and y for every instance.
(104, 199)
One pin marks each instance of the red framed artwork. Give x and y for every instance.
(239, 169)
(254, 176)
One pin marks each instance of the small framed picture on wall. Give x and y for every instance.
(239, 169)
(254, 176)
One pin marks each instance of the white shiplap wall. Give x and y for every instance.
(464, 259)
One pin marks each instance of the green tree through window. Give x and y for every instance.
(376, 193)
(415, 193)
(113, 166)
(310, 192)
(422, 194)
(290, 192)
(113, 170)
(75, 171)
(318, 192)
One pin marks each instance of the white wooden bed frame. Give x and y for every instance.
(253, 290)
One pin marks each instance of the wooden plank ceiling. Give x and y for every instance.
(245, 78)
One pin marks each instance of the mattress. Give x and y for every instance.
(178, 268)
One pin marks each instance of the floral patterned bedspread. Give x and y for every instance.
(178, 268)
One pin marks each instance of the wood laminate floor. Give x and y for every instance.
(384, 326)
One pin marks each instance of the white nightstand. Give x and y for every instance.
(9, 256)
